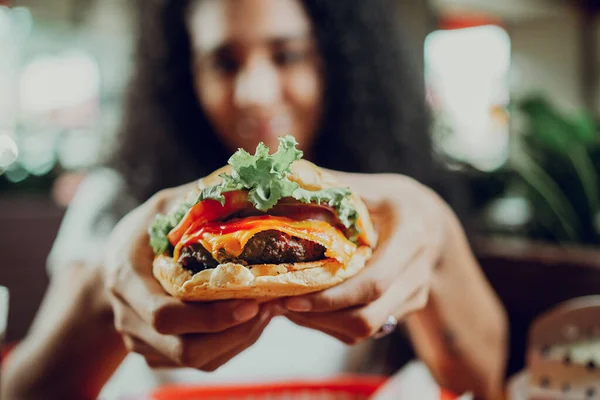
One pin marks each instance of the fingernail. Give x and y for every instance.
(245, 311)
(278, 310)
(266, 315)
(298, 305)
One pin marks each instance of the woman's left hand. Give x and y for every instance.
(412, 223)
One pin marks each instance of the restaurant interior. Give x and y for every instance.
(514, 92)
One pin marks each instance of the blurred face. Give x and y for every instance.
(256, 70)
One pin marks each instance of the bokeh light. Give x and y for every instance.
(467, 73)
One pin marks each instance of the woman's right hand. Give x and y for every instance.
(163, 329)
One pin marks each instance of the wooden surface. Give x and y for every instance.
(28, 226)
(531, 278)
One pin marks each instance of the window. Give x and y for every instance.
(467, 72)
(14, 27)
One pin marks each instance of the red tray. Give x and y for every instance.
(346, 388)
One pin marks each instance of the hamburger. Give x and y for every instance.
(264, 226)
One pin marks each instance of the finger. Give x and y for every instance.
(415, 302)
(367, 286)
(402, 236)
(180, 350)
(197, 350)
(140, 337)
(152, 357)
(251, 340)
(169, 315)
(272, 309)
(130, 277)
(405, 295)
(201, 351)
(307, 321)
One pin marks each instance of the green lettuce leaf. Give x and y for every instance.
(162, 225)
(265, 176)
(262, 174)
(228, 184)
(338, 198)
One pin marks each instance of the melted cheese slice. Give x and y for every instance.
(232, 237)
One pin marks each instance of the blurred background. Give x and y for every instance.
(513, 86)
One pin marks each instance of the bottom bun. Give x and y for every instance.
(260, 282)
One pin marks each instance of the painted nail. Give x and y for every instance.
(265, 316)
(245, 312)
(299, 305)
(278, 310)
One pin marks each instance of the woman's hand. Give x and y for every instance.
(163, 329)
(423, 266)
(411, 221)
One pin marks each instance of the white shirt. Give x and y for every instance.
(284, 350)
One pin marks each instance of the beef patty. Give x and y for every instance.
(267, 247)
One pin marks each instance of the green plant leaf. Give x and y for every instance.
(548, 189)
(548, 126)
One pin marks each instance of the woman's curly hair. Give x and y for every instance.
(375, 117)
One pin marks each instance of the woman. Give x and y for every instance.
(215, 75)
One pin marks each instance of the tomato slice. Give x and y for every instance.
(296, 210)
(238, 206)
(209, 211)
(303, 211)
